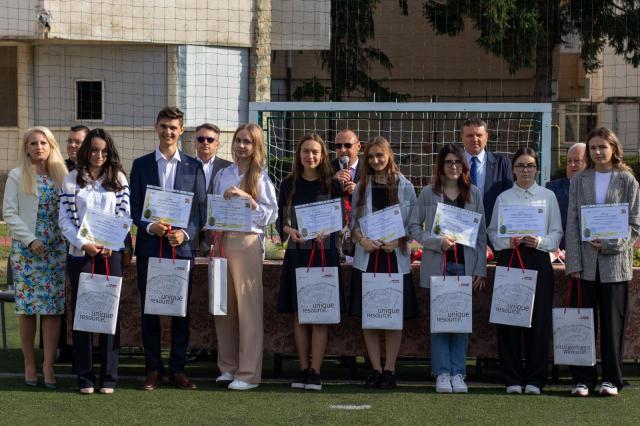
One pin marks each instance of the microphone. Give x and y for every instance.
(344, 162)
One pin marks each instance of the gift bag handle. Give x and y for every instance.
(515, 250)
(444, 262)
(313, 251)
(173, 249)
(569, 289)
(375, 263)
(106, 267)
(213, 243)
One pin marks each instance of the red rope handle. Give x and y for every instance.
(313, 251)
(444, 265)
(389, 263)
(516, 250)
(567, 301)
(106, 267)
(322, 259)
(375, 263)
(455, 255)
(213, 243)
(93, 265)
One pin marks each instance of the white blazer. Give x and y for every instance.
(19, 210)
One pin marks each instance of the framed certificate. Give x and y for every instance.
(604, 221)
(521, 220)
(383, 225)
(461, 224)
(104, 229)
(323, 217)
(228, 215)
(169, 205)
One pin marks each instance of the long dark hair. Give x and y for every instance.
(464, 181)
(325, 172)
(111, 166)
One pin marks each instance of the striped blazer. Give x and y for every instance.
(70, 214)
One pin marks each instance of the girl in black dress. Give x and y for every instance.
(310, 180)
(381, 185)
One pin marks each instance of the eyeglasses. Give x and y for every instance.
(203, 139)
(346, 145)
(521, 167)
(575, 162)
(453, 163)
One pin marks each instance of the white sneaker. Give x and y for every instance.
(240, 385)
(458, 385)
(580, 390)
(608, 389)
(531, 390)
(224, 379)
(514, 389)
(443, 383)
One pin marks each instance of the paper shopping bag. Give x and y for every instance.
(382, 301)
(514, 290)
(97, 303)
(167, 287)
(318, 292)
(574, 337)
(217, 277)
(451, 304)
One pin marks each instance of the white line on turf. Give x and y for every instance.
(350, 407)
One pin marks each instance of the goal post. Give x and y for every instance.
(416, 131)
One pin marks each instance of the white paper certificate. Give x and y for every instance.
(383, 225)
(323, 217)
(228, 215)
(169, 205)
(461, 224)
(604, 221)
(104, 229)
(521, 220)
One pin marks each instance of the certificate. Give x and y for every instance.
(169, 205)
(521, 220)
(323, 217)
(461, 224)
(228, 215)
(104, 229)
(604, 221)
(383, 225)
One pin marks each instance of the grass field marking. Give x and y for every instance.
(349, 407)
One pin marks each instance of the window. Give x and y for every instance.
(579, 120)
(89, 100)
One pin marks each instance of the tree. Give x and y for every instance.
(525, 33)
(349, 59)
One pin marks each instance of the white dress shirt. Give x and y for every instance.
(535, 195)
(167, 168)
(353, 168)
(267, 211)
(208, 169)
(482, 167)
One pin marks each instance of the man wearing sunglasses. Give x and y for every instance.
(207, 141)
(347, 144)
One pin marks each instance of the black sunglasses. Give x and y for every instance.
(208, 139)
(346, 145)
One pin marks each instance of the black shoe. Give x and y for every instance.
(314, 382)
(301, 381)
(373, 380)
(388, 380)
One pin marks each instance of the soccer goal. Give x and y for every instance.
(416, 130)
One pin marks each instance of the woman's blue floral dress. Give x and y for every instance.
(40, 279)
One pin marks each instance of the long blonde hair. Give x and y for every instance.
(56, 168)
(258, 162)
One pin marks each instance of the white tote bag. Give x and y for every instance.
(382, 301)
(318, 292)
(167, 287)
(97, 303)
(217, 277)
(574, 336)
(514, 290)
(451, 304)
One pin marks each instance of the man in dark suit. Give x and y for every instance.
(560, 187)
(74, 140)
(207, 141)
(347, 145)
(168, 168)
(489, 172)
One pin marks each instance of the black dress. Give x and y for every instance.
(297, 254)
(380, 200)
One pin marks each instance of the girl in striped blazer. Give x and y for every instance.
(98, 183)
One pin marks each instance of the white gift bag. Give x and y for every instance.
(167, 287)
(97, 303)
(217, 277)
(451, 304)
(574, 337)
(514, 290)
(382, 301)
(318, 292)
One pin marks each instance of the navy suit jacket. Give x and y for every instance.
(218, 164)
(190, 178)
(560, 187)
(498, 178)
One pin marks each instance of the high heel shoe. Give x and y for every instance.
(49, 385)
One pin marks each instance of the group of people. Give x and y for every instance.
(44, 204)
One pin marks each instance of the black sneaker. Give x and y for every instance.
(314, 382)
(388, 380)
(301, 381)
(373, 380)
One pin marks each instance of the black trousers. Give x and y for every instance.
(536, 339)
(610, 306)
(151, 335)
(82, 340)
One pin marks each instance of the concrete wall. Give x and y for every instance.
(18, 18)
(300, 24)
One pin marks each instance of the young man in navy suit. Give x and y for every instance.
(169, 168)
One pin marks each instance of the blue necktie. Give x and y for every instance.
(474, 170)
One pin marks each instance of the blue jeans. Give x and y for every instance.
(449, 350)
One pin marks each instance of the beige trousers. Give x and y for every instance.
(240, 332)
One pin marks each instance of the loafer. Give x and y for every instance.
(153, 380)
(181, 381)
(224, 379)
(240, 385)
